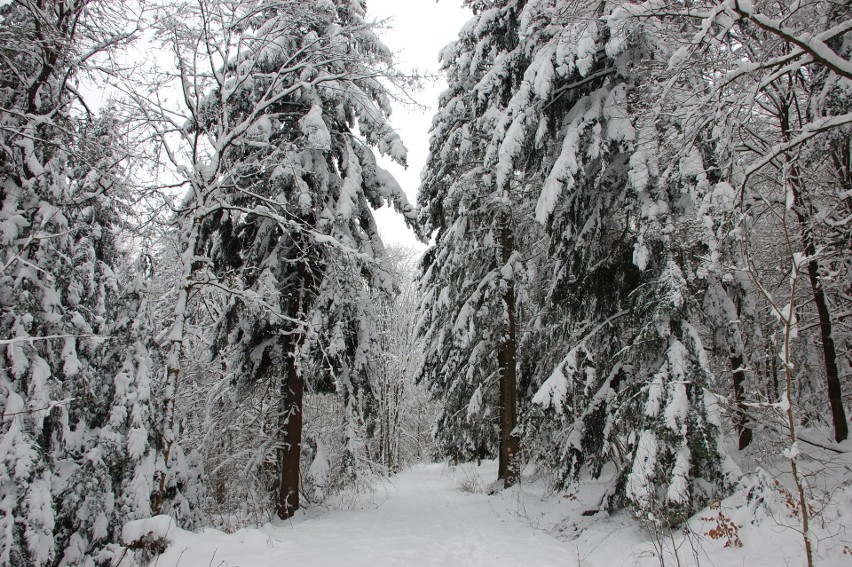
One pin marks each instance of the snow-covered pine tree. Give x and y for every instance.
(693, 124)
(474, 200)
(624, 210)
(74, 382)
(282, 178)
(547, 98)
(130, 432)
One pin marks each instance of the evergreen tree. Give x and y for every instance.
(278, 215)
(473, 202)
(624, 211)
(74, 376)
(550, 100)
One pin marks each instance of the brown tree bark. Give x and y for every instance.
(507, 360)
(290, 433)
(290, 415)
(829, 351)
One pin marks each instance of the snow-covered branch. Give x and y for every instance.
(814, 46)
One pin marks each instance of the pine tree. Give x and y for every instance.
(278, 215)
(549, 117)
(473, 202)
(624, 211)
(74, 381)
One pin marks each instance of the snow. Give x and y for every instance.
(259, 131)
(638, 482)
(623, 19)
(744, 6)
(391, 145)
(420, 517)
(641, 254)
(790, 196)
(475, 404)
(440, 515)
(562, 174)
(72, 364)
(40, 520)
(154, 528)
(347, 202)
(319, 471)
(678, 57)
(792, 452)
(510, 147)
(618, 128)
(724, 196)
(38, 394)
(678, 405)
(783, 404)
(655, 393)
(544, 73)
(552, 393)
(11, 227)
(137, 442)
(586, 49)
(806, 43)
(679, 486)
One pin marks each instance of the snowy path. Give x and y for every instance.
(425, 520)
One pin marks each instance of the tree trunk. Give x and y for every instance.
(291, 408)
(740, 419)
(736, 357)
(290, 432)
(829, 352)
(507, 360)
(803, 211)
(772, 367)
(174, 366)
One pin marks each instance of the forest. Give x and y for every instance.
(638, 274)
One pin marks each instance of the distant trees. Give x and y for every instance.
(403, 413)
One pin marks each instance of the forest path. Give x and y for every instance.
(421, 517)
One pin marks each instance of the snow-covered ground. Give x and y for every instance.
(420, 517)
(442, 515)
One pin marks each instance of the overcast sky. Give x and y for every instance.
(418, 31)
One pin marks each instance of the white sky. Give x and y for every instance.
(418, 31)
